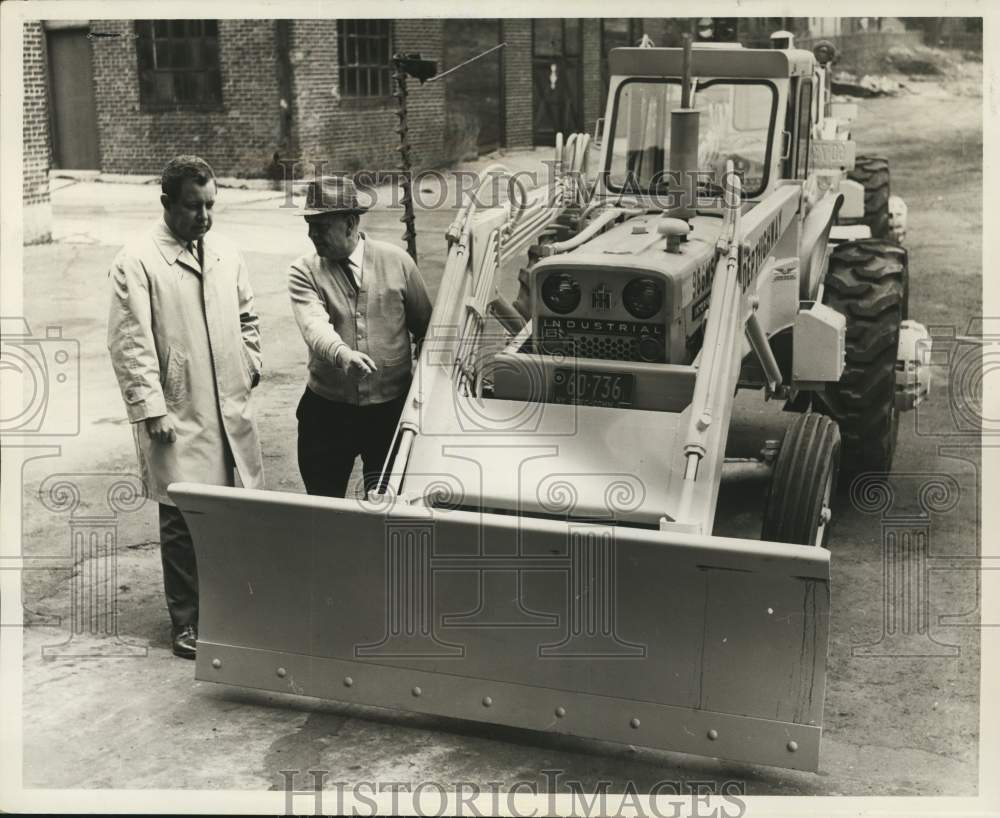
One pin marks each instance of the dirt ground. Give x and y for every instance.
(893, 725)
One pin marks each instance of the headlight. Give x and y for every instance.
(561, 293)
(643, 297)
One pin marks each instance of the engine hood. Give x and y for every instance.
(636, 245)
(602, 269)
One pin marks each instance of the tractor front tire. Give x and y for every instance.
(872, 173)
(803, 482)
(866, 283)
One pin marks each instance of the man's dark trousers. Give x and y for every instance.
(332, 435)
(180, 571)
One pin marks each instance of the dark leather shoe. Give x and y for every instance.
(184, 641)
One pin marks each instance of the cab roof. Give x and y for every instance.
(712, 62)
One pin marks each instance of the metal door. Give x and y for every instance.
(74, 111)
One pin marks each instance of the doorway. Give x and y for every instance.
(556, 47)
(474, 92)
(73, 115)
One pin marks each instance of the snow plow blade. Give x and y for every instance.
(704, 645)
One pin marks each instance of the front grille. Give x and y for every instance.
(607, 347)
(602, 339)
(604, 347)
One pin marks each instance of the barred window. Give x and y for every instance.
(178, 64)
(365, 57)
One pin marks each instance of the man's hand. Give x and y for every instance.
(356, 364)
(161, 429)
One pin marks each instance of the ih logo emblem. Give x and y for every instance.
(600, 299)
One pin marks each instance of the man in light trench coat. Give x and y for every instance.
(185, 345)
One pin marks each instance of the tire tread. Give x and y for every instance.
(865, 282)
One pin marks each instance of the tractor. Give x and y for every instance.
(539, 551)
(864, 180)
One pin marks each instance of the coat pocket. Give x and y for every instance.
(175, 379)
(248, 365)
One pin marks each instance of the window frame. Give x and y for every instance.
(351, 74)
(148, 48)
(772, 124)
(802, 144)
(564, 38)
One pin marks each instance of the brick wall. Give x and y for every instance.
(238, 140)
(518, 88)
(426, 102)
(360, 134)
(37, 210)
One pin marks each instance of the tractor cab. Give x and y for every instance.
(749, 103)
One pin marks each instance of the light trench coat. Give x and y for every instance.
(185, 343)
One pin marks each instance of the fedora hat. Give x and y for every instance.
(331, 194)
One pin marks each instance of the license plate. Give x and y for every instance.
(831, 154)
(592, 388)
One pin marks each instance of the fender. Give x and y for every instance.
(813, 242)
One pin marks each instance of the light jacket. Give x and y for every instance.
(186, 343)
(378, 319)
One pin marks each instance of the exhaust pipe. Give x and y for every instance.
(684, 141)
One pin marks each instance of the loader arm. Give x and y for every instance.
(743, 245)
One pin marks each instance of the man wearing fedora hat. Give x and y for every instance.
(358, 303)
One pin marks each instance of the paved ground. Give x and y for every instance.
(893, 725)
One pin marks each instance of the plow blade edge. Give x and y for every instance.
(703, 645)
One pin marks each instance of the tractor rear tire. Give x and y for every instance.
(872, 173)
(803, 482)
(866, 283)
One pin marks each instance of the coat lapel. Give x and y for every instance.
(173, 249)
